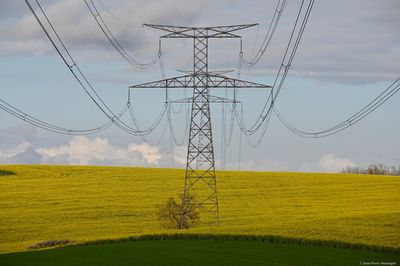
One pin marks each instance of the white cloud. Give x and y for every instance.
(150, 153)
(82, 150)
(85, 151)
(330, 163)
(180, 154)
(7, 154)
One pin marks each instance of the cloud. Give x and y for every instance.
(359, 46)
(150, 153)
(180, 155)
(330, 163)
(9, 153)
(81, 150)
(23, 36)
(85, 151)
(29, 156)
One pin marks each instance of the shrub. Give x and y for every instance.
(5, 172)
(51, 243)
(170, 215)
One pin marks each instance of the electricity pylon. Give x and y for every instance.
(200, 166)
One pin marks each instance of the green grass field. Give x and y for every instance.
(196, 252)
(40, 203)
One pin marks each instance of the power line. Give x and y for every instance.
(77, 73)
(114, 42)
(170, 108)
(222, 140)
(231, 124)
(163, 132)
(290, 51)
(389, 92)
(52, 127)
(173, 130)
(100, 104)
(268, 37)
(240, 150)
(115, 16)
(241, 122)
(143, 133)
(138, 131)
(260, 125)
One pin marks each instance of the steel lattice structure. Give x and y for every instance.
(200, 166)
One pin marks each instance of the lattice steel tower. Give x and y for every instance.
(200, 178)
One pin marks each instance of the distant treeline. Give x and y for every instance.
(375, 169)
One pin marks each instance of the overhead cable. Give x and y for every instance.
(113, 40)
(115, 16)
(77, 73)
(291, 49)
(389, 92)
(268, 37)
(51, 127)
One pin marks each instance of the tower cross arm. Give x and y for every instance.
(220, 81)
(205, 32)
(177, 82)
(210, 81)
(211, 99)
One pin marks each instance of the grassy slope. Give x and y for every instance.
(40, 203)
(200, 252)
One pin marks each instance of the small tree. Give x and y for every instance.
(170, 215)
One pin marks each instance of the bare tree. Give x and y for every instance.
(375, 169)
(170, 215)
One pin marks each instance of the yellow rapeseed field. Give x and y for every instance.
(42, 203)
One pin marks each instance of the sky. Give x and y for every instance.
(348, 55)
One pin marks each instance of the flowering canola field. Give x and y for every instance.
(40, 203)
